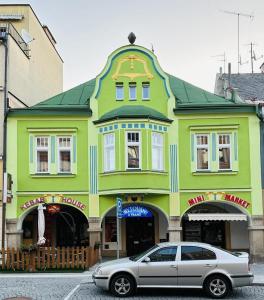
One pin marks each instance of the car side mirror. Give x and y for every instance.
(146, 260)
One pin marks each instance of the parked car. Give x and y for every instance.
(176, 265)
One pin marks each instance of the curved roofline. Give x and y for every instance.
(127, 48)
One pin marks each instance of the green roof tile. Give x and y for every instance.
(78, 95)
(190, 95)
(133, 111)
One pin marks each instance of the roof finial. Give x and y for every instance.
(131, 38)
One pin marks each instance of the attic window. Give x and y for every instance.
(132, 91)
(145, 91)
(119, 91)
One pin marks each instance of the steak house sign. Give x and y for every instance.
(53, 199)
(219, 196)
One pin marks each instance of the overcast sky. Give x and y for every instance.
(185, 34)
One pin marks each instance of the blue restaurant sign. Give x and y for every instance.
(132, 211)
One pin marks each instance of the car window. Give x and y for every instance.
(164, 254)
(196, 253)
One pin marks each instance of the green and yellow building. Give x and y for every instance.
(185, 162)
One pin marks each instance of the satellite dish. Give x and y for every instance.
(26, 36)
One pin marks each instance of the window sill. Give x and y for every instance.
(137, 171)
(53, 175)
(214, 173)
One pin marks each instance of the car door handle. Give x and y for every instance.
(208, 265)
(174, 266)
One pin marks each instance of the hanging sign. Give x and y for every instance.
(132, 211)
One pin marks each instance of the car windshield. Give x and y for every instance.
(138, 256)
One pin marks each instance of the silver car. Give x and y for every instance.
(176, 265)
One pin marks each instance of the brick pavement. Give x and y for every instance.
(59, 288)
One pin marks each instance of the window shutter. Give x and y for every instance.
(215, 158)
(74, 155)
(53, 167)
(235, 152)
(193, 160)
(31, 154)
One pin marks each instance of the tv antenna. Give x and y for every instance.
(222, 59)
(238, 14)
(253, 56)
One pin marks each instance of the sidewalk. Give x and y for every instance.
(258, 271)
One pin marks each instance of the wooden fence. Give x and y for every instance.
(48, 258)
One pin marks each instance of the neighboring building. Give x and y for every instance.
(248, 86)
(34, 67)
(185, 162)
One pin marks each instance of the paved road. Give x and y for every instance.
(60, 288)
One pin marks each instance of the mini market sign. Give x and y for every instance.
(210, 196)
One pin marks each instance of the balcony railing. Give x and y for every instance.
(8, 28)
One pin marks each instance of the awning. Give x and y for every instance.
(217, 217)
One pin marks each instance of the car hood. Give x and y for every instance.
(115, 262)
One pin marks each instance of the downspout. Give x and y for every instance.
(5, 44)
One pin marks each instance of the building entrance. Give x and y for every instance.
(211, 232)
(218, 224)
(140, 234)
(64, 226)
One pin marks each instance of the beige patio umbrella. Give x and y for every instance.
(41, 225)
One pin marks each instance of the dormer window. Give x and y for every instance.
(132, 91)
(145, 91)
(119, 91)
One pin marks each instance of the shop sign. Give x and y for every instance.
(33, 202)
(73, 202)
(53, 199)
(210, 196)
(237, 200)
(136, 211)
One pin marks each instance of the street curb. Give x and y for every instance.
(258, 284)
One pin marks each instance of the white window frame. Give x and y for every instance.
(110, 146)
(158, 146)
(132, 84)
(146, 83)
(59, 148)
(133, 144)
(224, 146)
(120, 85)
(202, 146)
(39, 148)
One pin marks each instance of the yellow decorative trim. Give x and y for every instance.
(132, 58)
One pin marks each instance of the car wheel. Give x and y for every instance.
(122, 285)
(217, 286)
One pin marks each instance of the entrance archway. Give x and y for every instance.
(217, 223)
(64, 226)
(137, 232)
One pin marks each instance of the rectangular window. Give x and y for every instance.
(109, 152)
(133, 150)
(202, 152)
(224, 150)
(132, 91)
(64, 154)
(42, 155)
(157, 151)
(145, 91)
(119, 91)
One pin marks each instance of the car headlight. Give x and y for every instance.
(98, 271)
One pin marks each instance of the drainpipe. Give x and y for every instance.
(5, 44)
